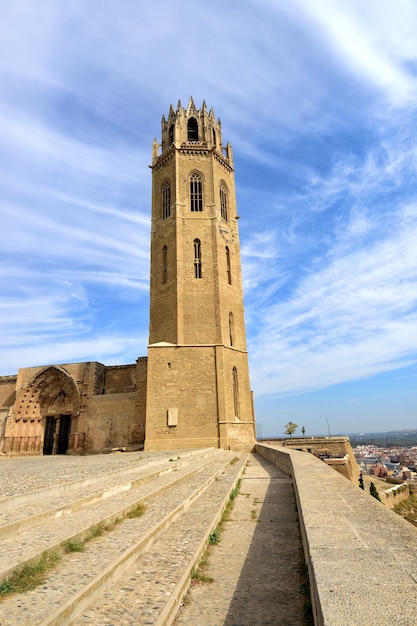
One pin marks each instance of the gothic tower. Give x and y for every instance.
(198, 389)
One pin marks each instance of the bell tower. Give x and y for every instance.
(198, 389)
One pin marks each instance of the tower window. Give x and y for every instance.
(197, 259)
(228, 269)
(165, 265)
(236, 392)
(171, 133)
(223, 203)
(231, 328)
(196, 193)
(214, 138)
(166, 199)
(192, 128)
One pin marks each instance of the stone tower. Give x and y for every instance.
(198, 389)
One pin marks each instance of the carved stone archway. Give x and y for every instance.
(46, 413)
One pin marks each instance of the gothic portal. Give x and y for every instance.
(193, 389)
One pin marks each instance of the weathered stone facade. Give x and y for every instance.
(193, 389)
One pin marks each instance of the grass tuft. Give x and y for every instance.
(138, 511)
(74, 545)
(33, 574)
(214, 537)
(30, 575)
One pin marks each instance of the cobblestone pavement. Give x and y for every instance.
(25, 474)
(152, 580)
(255, 566)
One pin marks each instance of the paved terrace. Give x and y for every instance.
(138, 572)
(362, 558)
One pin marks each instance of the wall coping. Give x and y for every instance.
(362, 557)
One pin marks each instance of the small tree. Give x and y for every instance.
(361, 485)
(290, 428)
(374, 491)
(303, 430)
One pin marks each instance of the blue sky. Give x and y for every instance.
(319, 101)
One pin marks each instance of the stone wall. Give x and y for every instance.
(335, 451)
(7, 390)
(361, 557)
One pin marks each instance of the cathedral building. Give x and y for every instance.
(193, 389)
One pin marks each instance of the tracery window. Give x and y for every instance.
(228, 268)
(196, 193)
(166, 199)
(197, 259)
(223, 203)
(165, 265)
(192, 128)
(236, 392)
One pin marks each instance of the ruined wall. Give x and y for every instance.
(120, 378)
(107, 405)
(116, 418)
(7, 390)
(328, 449)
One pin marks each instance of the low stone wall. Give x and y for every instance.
(361, 557)
(396, 494)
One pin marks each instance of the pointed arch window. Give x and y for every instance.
(236, 392)
(228, 268)
(165, 265)
(231, 329)
(197, 259)
(192, 128)
(196, 193)
(166, 199)
(171, 133)
(223, 203)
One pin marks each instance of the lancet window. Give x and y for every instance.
(165, 265)
(223, 203)
(228, 268)
(197, 259)
(236, 392)
(166, 199)
(231, 329)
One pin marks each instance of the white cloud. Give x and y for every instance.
(351, 319)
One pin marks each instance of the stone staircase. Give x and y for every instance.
(133, 569)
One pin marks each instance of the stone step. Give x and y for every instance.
(55, 503)
(82, 576)
(50, 534)
(151, 589)
(24, 488)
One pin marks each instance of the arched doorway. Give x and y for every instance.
(51, 401)
(57, 424)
